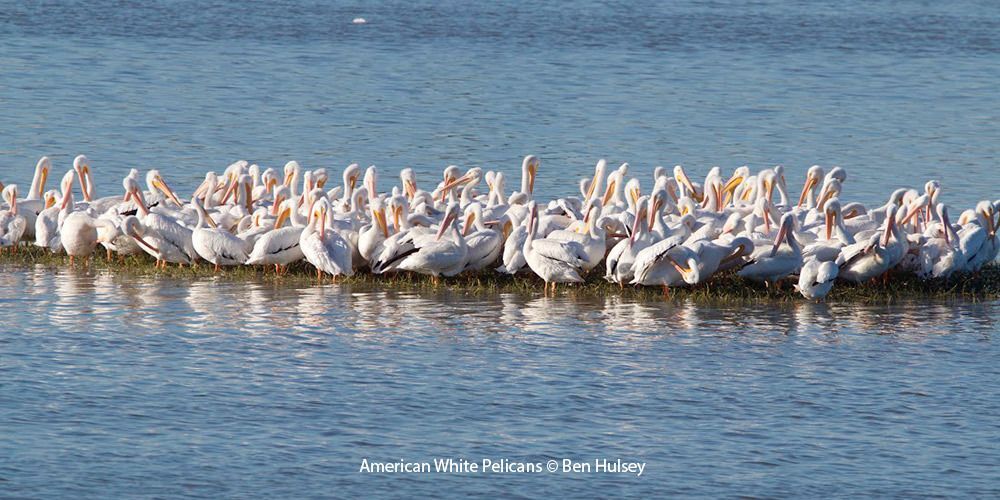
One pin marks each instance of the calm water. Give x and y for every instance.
(116, 387)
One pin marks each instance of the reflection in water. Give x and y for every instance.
(77, 300)
(183, 379)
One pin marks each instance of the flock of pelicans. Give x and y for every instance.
(677, 233)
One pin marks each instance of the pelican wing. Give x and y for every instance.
(826, 273)
(570, 252)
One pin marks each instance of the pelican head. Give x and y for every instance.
(320, 177)
(82, 167)
(134, 228)
(986, 212)
(684, 181)
(633, 191)
(890, 224)
(292, 171)
(450, 219)
(785, 233)
(813, 177)
(156, 181)
(42, 169)
(832, 213)
(641, 213)
(10, 196)
(351, 175)
(409, 180)
(371, 180)
(529, 169)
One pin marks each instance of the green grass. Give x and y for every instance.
(725, 288)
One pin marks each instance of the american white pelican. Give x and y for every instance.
(442, 255)
(781, 261)
(324, 248)
(835, 235)
(529, 170)
(513, 247)
(171, 239)
(33, 202)
(618, 266)
(12, 224)
(555, 261)
(979, 241)
(280, 246)
(79, 234)
(484, 243)
(711, 257)
(666, 263)
(813, 178)
(816, 279)
(47, 222)
(869, 258)
(591, 237)
(216, 245)
(941, 255)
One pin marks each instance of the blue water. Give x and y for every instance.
(115, 386)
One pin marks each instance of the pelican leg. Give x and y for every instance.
(216, 267)
(276, 269)
(319, 276)
(71, 261)
(666, 292)
(108, 254)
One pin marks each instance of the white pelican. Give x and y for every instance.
(47, 222)
(440, 255)
(869, 258)
(513, 247)
(835, 237)
(813, 177)
(816, 279)
(554, 261)
(618, 266)
(484, 243)
(979, 241)
(779, 262)
(79, 234)
(171, 239)
(324, 248)
(33, 202)
(280, 246)
(529, 169)
(215, 245)
(666, 263)
(591, 237)
(12, 225)
(941, 256)
(711, 257)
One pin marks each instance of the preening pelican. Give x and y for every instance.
(445, 254)
(780, 261)
(216, 245)
(324, 248)
(12, 225)
(816, 279)
(555, 261)
(280, 246)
